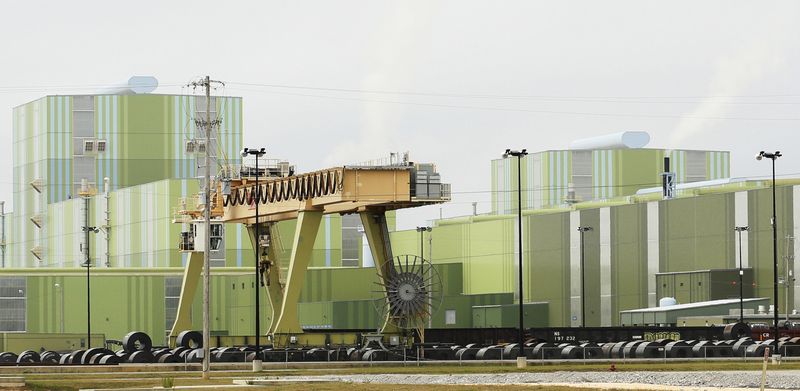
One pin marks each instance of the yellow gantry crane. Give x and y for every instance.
(370, 191)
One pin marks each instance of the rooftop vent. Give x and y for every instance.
(621, 140)
(134, 85)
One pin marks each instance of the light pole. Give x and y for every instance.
(257, 152)
(521, 361)
(87, 229)
(739, 230)
(773, 157)
(422, 231)
(583, 230)
(61, 290)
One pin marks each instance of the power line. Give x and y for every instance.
(493, 96)
(536, 111)
(621, 98)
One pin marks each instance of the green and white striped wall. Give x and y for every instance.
(145, 136)
(596, 174)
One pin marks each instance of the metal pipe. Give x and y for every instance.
(108, 220)
(258, 264)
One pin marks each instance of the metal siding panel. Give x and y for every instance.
(695, 165)
(596, 174)
(176, 144)
(611, 181)
(741, 220)
(115, 146)
(652, 252)
(558, 173)
(239, 245)
(59, 148)
(726, 165)
(537, 181)
(530, 192)
(575, 268)
(551, 178)
(605, 267)
(796, 249)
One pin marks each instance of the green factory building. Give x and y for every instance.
(639, 239)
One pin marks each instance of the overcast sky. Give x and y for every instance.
(459, 81)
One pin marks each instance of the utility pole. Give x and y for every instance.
(208, 126)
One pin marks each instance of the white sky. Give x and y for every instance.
(675, 64)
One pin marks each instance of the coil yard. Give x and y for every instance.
(254, 264)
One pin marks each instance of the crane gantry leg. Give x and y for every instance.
(377, 233)
(285, 322)
(191, 276)
(270, 272)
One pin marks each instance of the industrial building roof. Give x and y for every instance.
(687, 306)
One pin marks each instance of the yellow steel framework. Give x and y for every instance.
(368, 191)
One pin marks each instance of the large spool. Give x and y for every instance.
(736, 331)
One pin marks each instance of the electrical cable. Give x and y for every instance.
(521, 110)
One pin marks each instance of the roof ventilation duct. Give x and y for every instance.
(621, 140)
(134, 85)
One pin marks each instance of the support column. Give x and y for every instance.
(272, 278)
(304, 235)
(191, 277)
(377, 233)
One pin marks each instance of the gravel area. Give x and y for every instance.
(788, 380)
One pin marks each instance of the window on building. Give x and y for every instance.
(12, 303)
(351, 239)
(450, 317)
(217, 245)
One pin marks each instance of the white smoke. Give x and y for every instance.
(393, 46)
(734, 75)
